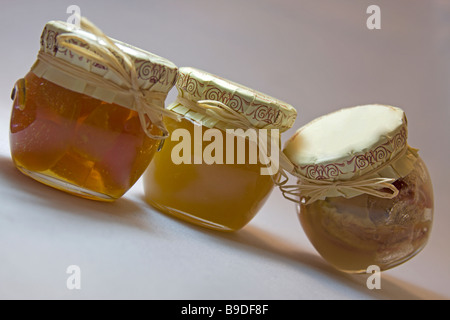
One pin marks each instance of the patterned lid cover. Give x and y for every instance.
(154, 73)
(352, 142)
(262, 111)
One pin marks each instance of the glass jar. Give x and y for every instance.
(355, 233)
(224, 195)
(357, 223)
(72, 131)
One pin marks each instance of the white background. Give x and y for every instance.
(317, 55)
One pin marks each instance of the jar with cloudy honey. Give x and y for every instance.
(364, 195)
(210, 171)
(87, 118)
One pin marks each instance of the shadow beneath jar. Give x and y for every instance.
(23, 189)
(257, 241)
(252, 240)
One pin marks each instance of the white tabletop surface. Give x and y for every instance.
(318, 56)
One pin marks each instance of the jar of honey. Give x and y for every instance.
(87, 118)
(364, 195)
(224, 194)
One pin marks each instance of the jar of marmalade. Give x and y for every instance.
(224, 190)
(364, 196)
(87, 118)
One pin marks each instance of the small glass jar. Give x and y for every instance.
(71, 130)
(222, 196)
(374, 203)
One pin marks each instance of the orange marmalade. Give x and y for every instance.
(71, 139)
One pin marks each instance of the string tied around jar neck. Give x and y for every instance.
(148, 104)
(310, 190)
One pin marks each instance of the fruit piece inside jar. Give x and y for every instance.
(353, 234)
(63, 138)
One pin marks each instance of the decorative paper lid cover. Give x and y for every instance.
(352, 142)
(262, 111)
(154, 73)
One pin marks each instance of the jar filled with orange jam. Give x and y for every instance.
(364, 196)
(87, 118)
(224, 194)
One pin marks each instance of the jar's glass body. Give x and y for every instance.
(76, 143)
(353, 234)
(217, 196)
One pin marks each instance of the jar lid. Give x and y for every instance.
(360, 143)
(197, 89)
(84, 60)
